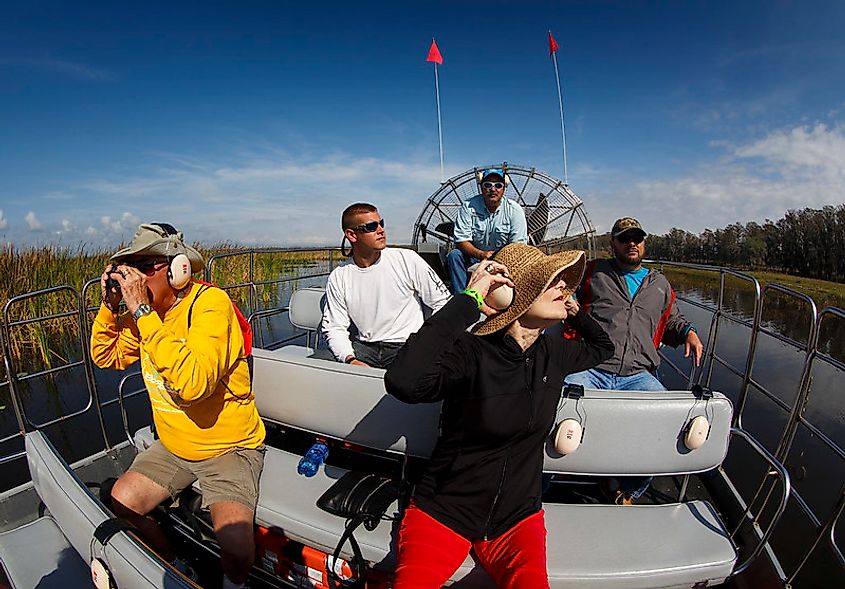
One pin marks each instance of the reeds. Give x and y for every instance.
(56, 340)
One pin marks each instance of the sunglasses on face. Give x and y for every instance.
(637, 239)
(146, 265)
(369, 227)
(496, 185)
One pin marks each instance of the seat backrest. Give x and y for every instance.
(641, 433)
(341, 401)
(624, 432)
(305, 309)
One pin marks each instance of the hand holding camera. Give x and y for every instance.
(110, 288)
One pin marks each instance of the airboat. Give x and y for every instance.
(714, 518)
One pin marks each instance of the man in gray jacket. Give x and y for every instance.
(636, 306)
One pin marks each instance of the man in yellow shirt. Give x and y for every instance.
(191, 349)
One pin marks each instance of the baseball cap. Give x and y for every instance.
(492, 171)
(626, 224)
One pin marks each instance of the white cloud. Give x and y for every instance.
(3, 222)
(33, 222)
(271, 197)
(786, 169)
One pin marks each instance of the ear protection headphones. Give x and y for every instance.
(179, 272)
(697, 429)
(570, 432)
(506, 179)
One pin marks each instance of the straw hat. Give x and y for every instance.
(532, 272)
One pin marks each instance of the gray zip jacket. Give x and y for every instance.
(637, 327)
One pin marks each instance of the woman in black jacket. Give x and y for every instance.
(500, 386)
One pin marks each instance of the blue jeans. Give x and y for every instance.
(376, 354)
(633, 487)
(457, 263)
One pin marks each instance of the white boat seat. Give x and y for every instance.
(588, 545)
(38, 555)
(305, 308)
(305, 311)
(78, 513)
(601, 546)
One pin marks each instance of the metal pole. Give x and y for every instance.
(439, 124)
(562, 124)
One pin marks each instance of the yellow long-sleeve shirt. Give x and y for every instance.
(198, 379)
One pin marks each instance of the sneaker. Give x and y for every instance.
(622, 499)
(613, 492)
(186, 569)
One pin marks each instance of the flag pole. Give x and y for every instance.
(439, 124)
(553, 50)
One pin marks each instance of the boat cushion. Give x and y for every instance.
(625, 432)
(606, 546)
(78, 513)
(38, 555)
(341, 401)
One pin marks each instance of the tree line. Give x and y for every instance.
(806, 242)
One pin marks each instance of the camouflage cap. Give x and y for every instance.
(626, 224)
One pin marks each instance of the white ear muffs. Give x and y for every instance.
(179, 273)
(100, 575)
(697, 431)
(568, 436)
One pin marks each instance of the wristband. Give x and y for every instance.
(476, 296)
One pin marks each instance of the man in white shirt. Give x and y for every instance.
(381, 291)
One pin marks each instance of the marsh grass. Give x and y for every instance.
(56, 340)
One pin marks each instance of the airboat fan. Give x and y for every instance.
(556, 217)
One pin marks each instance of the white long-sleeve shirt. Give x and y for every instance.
(384, 301)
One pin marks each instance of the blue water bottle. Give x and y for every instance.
(310, 463)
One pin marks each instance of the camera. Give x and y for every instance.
(112, 283)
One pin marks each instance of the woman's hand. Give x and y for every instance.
(572, 307)
(488, 275)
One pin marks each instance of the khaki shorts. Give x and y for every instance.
(232, 476)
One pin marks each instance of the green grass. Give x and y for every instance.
(824, 292)
(25, 270)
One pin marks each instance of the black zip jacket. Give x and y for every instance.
(499, 404)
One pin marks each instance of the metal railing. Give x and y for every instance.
(795, 419)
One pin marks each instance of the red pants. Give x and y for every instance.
(429, 552)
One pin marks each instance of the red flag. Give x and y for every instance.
(434, 54)
(553, 46)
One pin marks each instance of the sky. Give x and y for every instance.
(256, 123)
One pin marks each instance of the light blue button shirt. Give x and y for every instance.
(490, 231)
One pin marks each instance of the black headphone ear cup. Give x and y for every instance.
(179, 272)
(343, 252)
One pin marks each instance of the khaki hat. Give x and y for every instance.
(626, 224)
(160, 239)
(532, 272)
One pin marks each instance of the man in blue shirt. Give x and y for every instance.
(485, 223)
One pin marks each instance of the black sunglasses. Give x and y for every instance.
(635, 238)
(369, 227)
(496, 185)
(146, 264)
